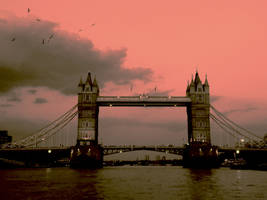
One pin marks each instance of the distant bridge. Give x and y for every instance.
(108, 150)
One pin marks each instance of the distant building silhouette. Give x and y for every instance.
(4, 137)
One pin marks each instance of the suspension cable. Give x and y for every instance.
(60, 128)
(222, 116)
(229, 126)
(47, 135)
(220, 123)
(39, 132)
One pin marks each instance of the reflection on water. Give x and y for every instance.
(132, 182)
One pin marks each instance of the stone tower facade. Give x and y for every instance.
(88, 112)
(199, 111)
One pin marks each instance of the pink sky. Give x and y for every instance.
(225, 39)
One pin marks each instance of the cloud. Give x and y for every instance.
(32, 91)
(12, 96)
(60, 61)
(214, 98)
(247, 109)
(40, 101)
(6, 105)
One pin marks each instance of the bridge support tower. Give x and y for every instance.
(87, 153)
(199, 151)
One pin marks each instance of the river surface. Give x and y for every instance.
(132, 182)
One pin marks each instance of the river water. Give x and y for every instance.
(132, 182)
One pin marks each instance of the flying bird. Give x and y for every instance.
(43, 41)
(92, 24)
(80, 30)
(29, 10)
(51, 36)
(13, 39)
(38, 20)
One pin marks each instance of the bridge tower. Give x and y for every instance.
(199, 111)
(87, 153)
(88, 112)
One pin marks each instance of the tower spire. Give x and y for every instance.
(81, 82)
(89, 80)
(95, 82)
(206, 80)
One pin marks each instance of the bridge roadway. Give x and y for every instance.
(143, 101)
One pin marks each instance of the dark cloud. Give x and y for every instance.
(40, 101)
(246, 109)
(214, 98)
(13, 96)
(60, 61)
(14, 99)
(6, 105)
(32, 91)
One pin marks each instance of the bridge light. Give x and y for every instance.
(49, 151)
(242, 140)
(120, 151)
(237, 151)
(175, 105)
(110, 105)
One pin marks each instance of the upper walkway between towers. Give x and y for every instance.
(143, 100)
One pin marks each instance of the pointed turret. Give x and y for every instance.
(206, 81)
(188, 87)
(81, 82)
(89, 80)
(206, 85)
(95, 83)
(197, 79)
(95, 86)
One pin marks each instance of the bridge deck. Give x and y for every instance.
(141, 101)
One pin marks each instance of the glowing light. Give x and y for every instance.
(49, 151)
(237, 151)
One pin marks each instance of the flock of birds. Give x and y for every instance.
(44, 40)
(51, 37)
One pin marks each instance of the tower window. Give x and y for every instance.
(87, 97)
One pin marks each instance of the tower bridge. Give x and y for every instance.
(196, 101)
